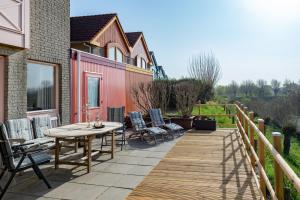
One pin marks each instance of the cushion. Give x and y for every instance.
(19, 129)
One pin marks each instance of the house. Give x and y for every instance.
(34, 58)
(105, 63)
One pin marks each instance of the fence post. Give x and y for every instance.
(277, 170)
(246, 127)
(251, 115)
(261, 155)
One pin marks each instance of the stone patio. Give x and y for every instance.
(110, 178)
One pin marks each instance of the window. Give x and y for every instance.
(93, 91)
(41, 92)
(111, 53)
(138, 61)
(143, 64)
(119, 55)
(2, 82)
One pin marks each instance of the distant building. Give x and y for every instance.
(158, 71)
(110, 62)
(34, 58)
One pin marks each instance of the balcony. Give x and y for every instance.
(14, 23)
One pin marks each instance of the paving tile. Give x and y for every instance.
(126, 160)
(156, 154)
(101, 166)
(61, 190)
(129, 181)
(140, 170)
(10, 196)
(98, 178)
(149, 161)
(114, 194)
(118, 168)
(139, 153)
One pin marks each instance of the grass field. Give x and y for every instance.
(293, 159)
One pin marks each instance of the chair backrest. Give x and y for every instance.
(137, 121)
(5, 149)
(156, 117)
(19, 129)
(41, 123)
(116, 114)
(55, 121)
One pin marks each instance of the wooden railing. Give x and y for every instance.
(248, 129)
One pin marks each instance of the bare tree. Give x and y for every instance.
(186, 97)
(232, 89)
(275, 84)
(262, 86)
(155, 94)
(247, 88)
(206, 68)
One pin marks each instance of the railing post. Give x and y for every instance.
(246, 127)
(277, 170)
(261, 155)
(251, 115)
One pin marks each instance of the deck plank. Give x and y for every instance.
(202, 165)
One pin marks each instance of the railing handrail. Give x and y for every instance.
(287, 170)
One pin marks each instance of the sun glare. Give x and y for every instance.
(282, 12)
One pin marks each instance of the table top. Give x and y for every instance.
(81, 130)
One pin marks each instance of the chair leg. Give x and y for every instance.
(7, 184)
(102, 142)
(38, 172)
(3, 172)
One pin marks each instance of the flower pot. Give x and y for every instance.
(205, 124)
(186, 123)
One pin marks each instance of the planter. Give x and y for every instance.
(186, 123)
(205, 124)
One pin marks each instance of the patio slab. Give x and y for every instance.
(110, 178)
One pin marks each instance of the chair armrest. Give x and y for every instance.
(167, 119)
(148, 123)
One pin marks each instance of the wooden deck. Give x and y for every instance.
(201, 165)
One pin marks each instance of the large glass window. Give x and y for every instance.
(111, 53)
(143, 65)
(138, 61)
(93, 91)
(119, 54)
(40, 86)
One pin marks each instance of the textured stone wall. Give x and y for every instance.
(49, 42)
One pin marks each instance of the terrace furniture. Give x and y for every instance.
(82, 133)
(116, 115)
(142, 130)
(17, 158)
(40, 124)
(158, 121)
(20, 131)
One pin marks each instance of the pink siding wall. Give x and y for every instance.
(112, 83)
(1, 88)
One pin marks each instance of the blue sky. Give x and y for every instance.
(252, 39)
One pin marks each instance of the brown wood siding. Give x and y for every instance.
(140, 50)
(112, 35)
(132, 80)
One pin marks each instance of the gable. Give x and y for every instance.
(141, 50)
(112, 34)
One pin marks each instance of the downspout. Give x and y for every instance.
(89, 46)
(78, 87)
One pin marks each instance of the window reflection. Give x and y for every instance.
(93, 91)
(40, 87)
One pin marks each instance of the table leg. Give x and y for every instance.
(57, 148)
(89, 154)
(112, 144)
(84, 146)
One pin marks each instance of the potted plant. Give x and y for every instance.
(186, 93)
(205, 123)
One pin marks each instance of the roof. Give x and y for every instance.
(133, 37)
(84, 28)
